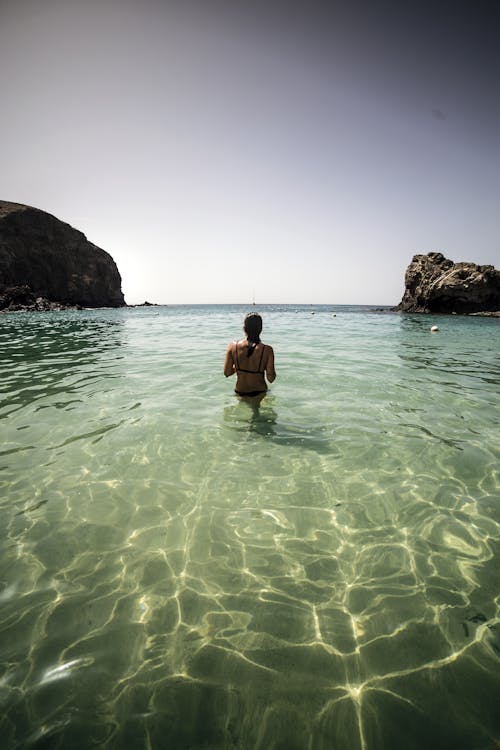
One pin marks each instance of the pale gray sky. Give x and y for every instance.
(302, 150)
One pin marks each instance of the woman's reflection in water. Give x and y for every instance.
(249, 415)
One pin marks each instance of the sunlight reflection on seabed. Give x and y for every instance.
(355, 608)
(316, 572)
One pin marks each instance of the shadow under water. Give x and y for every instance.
(256, 417)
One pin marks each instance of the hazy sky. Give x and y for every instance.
(303, 150)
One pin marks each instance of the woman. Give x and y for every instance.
(251, 360)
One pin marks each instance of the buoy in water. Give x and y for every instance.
(434, 329)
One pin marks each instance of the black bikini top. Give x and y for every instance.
(240, 369)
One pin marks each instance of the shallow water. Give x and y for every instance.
(179, 569)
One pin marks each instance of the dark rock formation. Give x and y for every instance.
(435, 284)
(14, 298)
(46, 264)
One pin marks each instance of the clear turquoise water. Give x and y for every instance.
(181, 570)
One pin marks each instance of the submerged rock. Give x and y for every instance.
(435, 284)
(46, 264)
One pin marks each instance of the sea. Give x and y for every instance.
(183, 569)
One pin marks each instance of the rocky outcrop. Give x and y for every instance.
(46, 264)
(435, 284)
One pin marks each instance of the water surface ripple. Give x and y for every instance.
(180, 569)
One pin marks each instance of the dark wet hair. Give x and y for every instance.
(252, 326)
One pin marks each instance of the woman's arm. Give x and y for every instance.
(229, 362)
(270, 371)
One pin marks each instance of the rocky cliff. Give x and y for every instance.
(45, 263)
(435, 284)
